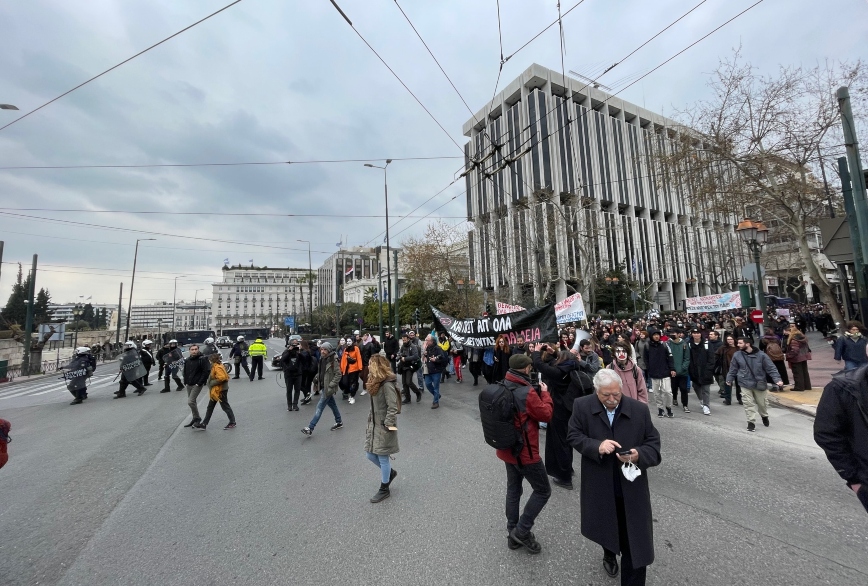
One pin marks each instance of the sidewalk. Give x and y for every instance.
(821, 368)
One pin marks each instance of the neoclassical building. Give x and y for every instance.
(561, 189)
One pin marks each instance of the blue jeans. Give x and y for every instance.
(419, 379)
(432, 383)
(850, 365)
(320, 407)
(383, 463)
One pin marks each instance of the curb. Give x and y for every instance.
(809, 410)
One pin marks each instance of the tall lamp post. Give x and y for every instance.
(76, 315)
(174, 302)
(195, 311)
(612, 282)
(388, 244)
(337, 318)
(132, 284)
(309, 279)
(755, 235)
(160, 331)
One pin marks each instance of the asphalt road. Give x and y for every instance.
(117, 492)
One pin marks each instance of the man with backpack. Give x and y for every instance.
(511, 411)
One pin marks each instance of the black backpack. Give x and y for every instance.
(497, 411)
(581, 384)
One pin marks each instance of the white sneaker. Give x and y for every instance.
(364, 392)
(352, 400)
(706, 410)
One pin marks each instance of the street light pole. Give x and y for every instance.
(755, 235)
(388, 243)
(309, 280)
(132, 284)
(174, 301)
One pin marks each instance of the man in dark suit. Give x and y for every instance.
(609, 430)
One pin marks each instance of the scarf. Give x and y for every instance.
(855, 336)
(373, 386)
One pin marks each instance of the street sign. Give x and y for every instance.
(756, 316)
(59, 331)
(748, 272)
(289, 321)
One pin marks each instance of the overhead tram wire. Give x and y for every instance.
(241, 164)
(66, 93)
(119, 229)
(392, 71)
(175, 213)
(536, 36)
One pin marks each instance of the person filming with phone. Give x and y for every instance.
(618, 444)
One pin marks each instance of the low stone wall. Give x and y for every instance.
(14, 352)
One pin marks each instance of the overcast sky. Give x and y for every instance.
(271, 80)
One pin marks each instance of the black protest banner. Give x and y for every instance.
(534, 324)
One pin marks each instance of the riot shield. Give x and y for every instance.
(132, 367)
(208, 350)
(173, 361)
(75, 373)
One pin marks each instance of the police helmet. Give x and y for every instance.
(209, 340)
(129, 344)
(173, 341)
(239, 339)
(146, 343)
(82, 350)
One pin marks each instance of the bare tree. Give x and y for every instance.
(437, 260)
(751, 149)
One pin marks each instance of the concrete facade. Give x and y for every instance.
(260, 296)
(581, 198)
(348, 274)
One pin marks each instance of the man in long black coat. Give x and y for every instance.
(602, 427)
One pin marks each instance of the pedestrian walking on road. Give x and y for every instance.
(327, 379)
(851, 347)
(502, 352)
(702, 364)
(218, 386)
(351, 368)
(612, 431)
(408, 362)
(196, 371)
(391, 348)
(725, 354)
(555, 367)
(258, 352)
(681, 362)
(798, 355)
(131, 369)
(238, 354)
(841, 428)
(533, 406)
(173, 359)
(658, 359)
(147, 361)
(749, 367)
(381, 435)
(433, 364)
(632, 380)
(771, 345)
(293, 371)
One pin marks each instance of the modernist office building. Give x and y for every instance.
(349, 273)
(582, 198)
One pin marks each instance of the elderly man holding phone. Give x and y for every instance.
(618, 444)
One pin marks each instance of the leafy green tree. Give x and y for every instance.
(15, 311)
(88, 315)
(41, 315)
(617, 292)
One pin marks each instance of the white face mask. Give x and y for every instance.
(620, 355)
(631, 471)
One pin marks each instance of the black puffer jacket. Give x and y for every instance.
(658, 360)
(196, 370)
(841, 425)
(557, 378)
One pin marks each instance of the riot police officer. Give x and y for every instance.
(131, 371)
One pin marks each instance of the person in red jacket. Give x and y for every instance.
(534, 406)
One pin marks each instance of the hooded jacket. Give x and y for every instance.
(351, 360)
(390, 345)
(633, 383)
(658, 359)
(557, 378)
(798, 350)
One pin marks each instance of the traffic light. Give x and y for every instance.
(488, 308)
(416, 315)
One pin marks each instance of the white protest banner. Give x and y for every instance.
(503, 308)
(570, 309)
(708, 303)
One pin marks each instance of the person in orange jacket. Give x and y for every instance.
(351, 367)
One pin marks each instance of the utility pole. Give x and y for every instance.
(859, 197)
(397, 317)
(120, 309)
(28, 325)
(1, 256)
(855, 237)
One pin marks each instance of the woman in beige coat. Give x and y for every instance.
(381, 437)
